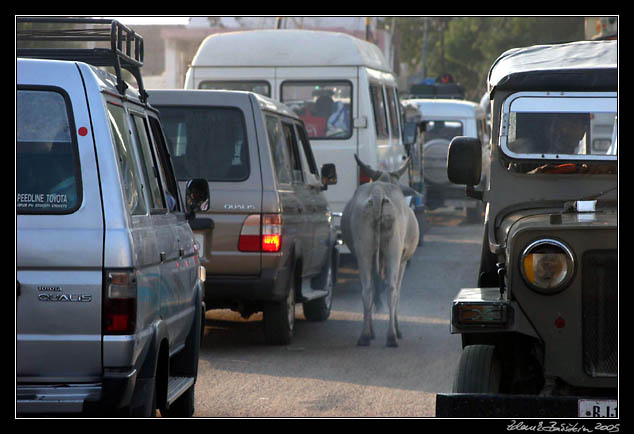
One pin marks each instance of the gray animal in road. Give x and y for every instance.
(382, 233)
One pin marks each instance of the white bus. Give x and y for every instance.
(341, 87)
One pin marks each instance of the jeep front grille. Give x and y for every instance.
(600, 313)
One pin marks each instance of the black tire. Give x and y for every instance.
(479, 371)
(279, 317)
(319, 309)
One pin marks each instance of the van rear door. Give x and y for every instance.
(59, 249)
(327, 100)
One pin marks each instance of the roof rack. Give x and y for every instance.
(126, 46)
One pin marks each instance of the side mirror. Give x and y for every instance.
(464, 161)
(328, 175)
(196, 196)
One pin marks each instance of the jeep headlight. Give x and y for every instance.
(547, 266)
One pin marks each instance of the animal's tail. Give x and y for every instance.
(377, 275)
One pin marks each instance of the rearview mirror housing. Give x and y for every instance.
(328, 174)
(464, 161)
(196, 196)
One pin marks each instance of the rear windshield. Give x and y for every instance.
(207, 142)
(443, 130)
(47, 166)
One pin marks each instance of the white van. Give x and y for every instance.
(340, 86)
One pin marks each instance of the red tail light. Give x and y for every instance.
(271, 232)
(120, 301)
(261, 234)
(250, 234)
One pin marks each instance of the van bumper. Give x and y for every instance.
(451, 405)
(114, 392)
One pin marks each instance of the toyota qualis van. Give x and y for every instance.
(109, 287)
(340, 86)
(274, 243)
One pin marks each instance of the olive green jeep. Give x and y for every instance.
(540, 330)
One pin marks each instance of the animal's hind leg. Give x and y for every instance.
(392, 299)
(365, 276)
(398, 298)
(392, 334)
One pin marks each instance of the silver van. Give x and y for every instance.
(109, 291)
(274, 242)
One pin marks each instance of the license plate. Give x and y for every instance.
(598, 408)
(200, 240)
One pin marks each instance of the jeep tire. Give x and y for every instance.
(479, 371)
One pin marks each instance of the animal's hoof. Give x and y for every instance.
(363, 341)
(392, 342)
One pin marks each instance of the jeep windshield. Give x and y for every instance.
(568, 128)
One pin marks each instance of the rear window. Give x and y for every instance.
(380, 112)
(48, 179)
(208, 143)
(324, 106)
(440, 129)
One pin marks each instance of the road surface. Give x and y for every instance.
(323, 373)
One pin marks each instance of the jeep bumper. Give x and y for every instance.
(505, 406)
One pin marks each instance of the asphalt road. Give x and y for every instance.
(323, 373)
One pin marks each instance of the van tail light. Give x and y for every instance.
(120, 302)
(261, 233)
(271, 232)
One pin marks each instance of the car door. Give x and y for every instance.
(293, 219)
(59, 229)
(304, 195)
(320, 210)
(175, 269)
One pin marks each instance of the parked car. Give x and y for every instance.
(109, 291)
(540, 330)
(340, 86)
(446, 119)
(274, 242)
